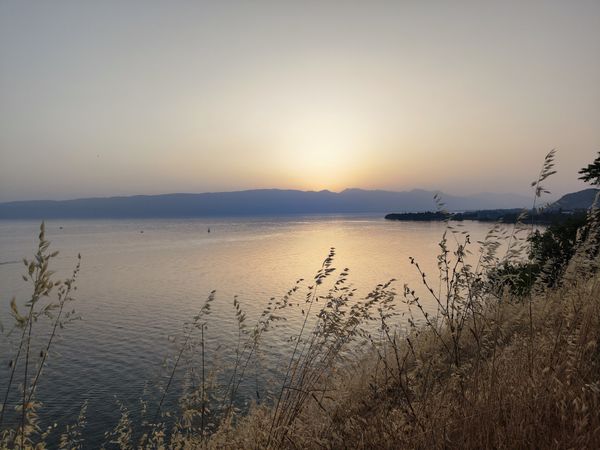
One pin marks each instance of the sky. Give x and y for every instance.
(145, 97)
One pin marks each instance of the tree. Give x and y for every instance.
(591, 173)
(552, 249)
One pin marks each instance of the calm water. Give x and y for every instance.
(137, 289)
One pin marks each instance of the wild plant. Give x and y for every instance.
(315, 359)
(72, 437)
(272, 314)
(39, 306)
(198, 323)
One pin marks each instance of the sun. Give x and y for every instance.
(323, 148)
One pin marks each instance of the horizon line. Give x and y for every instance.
(433, 191)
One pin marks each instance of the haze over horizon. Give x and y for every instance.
(413, 190)
(122, 98)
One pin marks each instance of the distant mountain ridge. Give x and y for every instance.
(253, 202)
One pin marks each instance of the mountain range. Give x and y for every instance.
(254, 202)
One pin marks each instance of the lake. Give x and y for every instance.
(140, 280)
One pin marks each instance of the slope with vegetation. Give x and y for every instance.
(575, 201)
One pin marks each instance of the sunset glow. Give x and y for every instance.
(127, 98)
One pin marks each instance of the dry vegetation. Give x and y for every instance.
(510, 391)
(486, 369)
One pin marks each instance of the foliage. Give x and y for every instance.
(552, 249)
(517, 278)
(591, 173)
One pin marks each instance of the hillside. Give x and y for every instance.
(576, 200)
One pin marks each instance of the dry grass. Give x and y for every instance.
(497, 398)
(485, 372)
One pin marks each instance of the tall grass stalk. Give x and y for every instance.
(197, 322)
(546, 171)
(322, 274)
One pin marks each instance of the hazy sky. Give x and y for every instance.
(125, 97)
